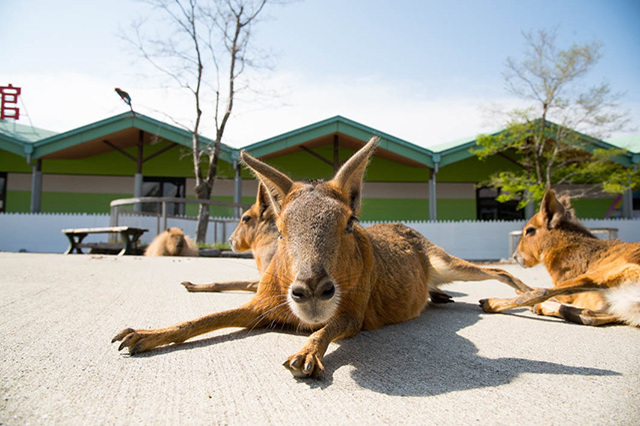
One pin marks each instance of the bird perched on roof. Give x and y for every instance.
(126, 98)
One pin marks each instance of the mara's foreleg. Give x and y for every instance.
(535, 296)
(224, 286)
(308, 361)
(138, 340)
(444, 268)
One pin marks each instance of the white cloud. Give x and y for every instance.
(286, 101)
(386, 106)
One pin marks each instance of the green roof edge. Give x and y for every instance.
(343, 125)
(462, 151)
(120, 122)
(338, 123)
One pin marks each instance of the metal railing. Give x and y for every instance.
(162, 216)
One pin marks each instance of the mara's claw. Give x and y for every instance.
(305, 365)
(188, 285)
(138, 341)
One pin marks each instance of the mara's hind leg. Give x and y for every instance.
(444, 268)
(218, 287)
(586, 316)
(574, 314)
(438, 296)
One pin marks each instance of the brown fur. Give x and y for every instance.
(578, 263)
(172, 242)
(257, 232)
(330, 276)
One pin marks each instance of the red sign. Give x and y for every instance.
(8, 101)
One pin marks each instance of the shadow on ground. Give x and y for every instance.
(425, 356)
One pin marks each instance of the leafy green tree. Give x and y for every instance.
(547, 137)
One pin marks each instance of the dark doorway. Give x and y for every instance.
(3, 192)
(163, 187)
(491, 209)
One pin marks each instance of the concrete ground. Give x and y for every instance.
(452, 365)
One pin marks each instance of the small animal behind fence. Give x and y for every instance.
(172, 242)
(595, 281)
(329, 276)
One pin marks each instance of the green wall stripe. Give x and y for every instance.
(373, 209)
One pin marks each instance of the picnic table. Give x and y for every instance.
(130, 238)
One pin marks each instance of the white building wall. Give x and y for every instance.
(73, 183)
(225, 187)
(469, 240)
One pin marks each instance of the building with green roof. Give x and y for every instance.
(82, 170)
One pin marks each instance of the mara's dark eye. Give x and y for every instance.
(246, 219)
(279, 234)
(350, 224)
(530, 231)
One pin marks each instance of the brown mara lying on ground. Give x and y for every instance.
(595, 282)
(329, 276)
(172, 242)
(257, 232)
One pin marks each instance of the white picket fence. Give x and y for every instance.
(472, 240)
(41, 233)
(475, 240)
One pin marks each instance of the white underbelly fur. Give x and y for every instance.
(624, 302)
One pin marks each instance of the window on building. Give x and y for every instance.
(491, 209)
(163, 187)
(3, 192)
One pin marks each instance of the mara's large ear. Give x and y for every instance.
(276, 183)
(349, 177)
(262, 199)
(569, 212)
(551, 209)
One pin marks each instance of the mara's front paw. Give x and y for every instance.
(138, 341)
(497, 305)
(305, 364)
(191, 287)
(486, 305)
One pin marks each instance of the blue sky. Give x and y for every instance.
(423, 71)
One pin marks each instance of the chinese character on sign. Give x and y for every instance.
(8, 101)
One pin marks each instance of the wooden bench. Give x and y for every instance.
(130, 238)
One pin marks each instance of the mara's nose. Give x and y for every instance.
(319, 287)
(517, 257)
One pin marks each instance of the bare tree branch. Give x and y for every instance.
(198, 37)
